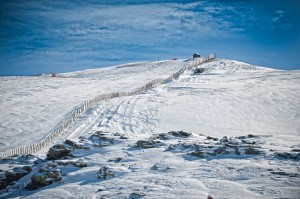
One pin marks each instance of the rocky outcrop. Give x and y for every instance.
(146, 144)
(105, 172)
(13, 175)
(136, 195)
(171, 135)
(76, 145)
(288, 155)
(58, 151)
(102, 139)
(46, 176)
(198, 153)
(80, 163)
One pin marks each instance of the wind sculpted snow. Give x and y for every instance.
(239, 139)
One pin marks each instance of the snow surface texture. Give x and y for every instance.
(73, 115)
(229, 98)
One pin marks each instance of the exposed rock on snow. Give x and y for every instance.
(136, 195)
(13, 175)
(80, 163)
(46, 176)
(102, 139)
(146, 144)
(224, 147)
(180, 134)
(58, 151)
(287, 155)
(224, 139)
(76, 145)
(282, 173)
(115, 160)
(171, 134)
(105, 172)
(250, 150)
(197, 153)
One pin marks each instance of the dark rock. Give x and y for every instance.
(14, 175)
(162, 136)
(155, 167)
(116, 160)
(287, 155)
(252, 151)
(171, 134)
(221, 150)
(80, 163)
(236, 151)
(124, 137)
(251, 136)
(101, 133)
(231, 145)
(180, 134)
(245, 137)
(76, 145)
(296, 150)
(42, 179)
(39, 161)
(4, 183)
(146, 144)
(248, 142)
(212, 138)
(199, 154)
(102, 140)
(224, 139)
(285, 174)
(183, 147)
(52, 164)
(158, 167)
(105, 172)
(136, 195)
(27, 168)
(58, 151)
(17, 173)
(62, 163)
(241, 137)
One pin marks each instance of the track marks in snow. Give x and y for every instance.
(135, 115)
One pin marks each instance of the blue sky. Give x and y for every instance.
(39, 36)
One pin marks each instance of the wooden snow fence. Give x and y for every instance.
(59, 129)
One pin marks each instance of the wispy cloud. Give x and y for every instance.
(278, 15)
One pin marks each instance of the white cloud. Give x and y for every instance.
(279, 15)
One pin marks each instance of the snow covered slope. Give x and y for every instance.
(256, 108)
(34, 105)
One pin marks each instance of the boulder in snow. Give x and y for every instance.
(46, 176)
(13, 175)
(76, 145)
(58, 151)
(146, 144)
(80, 163)
(105, 172)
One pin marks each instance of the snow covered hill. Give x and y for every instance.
(34, 105)
(232, 131)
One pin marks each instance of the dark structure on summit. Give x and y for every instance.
(196, 55)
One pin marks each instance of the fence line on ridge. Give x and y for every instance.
(59, 129)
